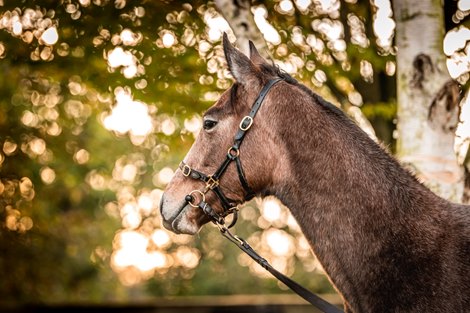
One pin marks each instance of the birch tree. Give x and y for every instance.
(428, 99)
(239, 17)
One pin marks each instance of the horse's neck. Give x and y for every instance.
(344, 191)
(351, 199)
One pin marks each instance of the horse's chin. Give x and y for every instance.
(182, 224)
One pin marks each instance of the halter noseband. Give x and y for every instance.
(212, 181)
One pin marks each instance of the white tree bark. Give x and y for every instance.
(239, 17)
(428, 99)
(466, 193)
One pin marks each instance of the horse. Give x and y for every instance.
(386, 242)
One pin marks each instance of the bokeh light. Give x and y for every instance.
(129, 115)
(106, 133)
(269, 32)
(50, 36)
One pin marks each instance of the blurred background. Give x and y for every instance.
(101, 99)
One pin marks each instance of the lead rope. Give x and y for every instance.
(312, 298)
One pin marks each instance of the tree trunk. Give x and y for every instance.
(466, 193)
(428, 99)
(239, 17)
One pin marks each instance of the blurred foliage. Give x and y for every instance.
(79, 191)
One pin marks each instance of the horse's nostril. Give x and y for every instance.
(189, 198)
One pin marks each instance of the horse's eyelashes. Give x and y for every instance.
(209, 124)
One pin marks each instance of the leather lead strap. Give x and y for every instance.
(233, 155)
(312, 298)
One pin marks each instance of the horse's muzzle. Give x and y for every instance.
(165, 222)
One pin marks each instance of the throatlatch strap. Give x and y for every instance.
(242, 178)
(222, 168)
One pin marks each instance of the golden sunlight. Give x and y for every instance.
(47, 175)
(9, 146)
(168, 39)
(303, 4)
(193, 125)
(129, 38)
(145, 203)
(280, 242)
(132, 245)
(82, 156)
(271, 210)
(168, 127)
(161, 238)
(118, 57)
(286, 6)
(456, 48)
(133, 251)
(17, 28)
(129, 115)
(384, 25)
(165, 175)
(50, 36)
(187, 257)
(270, 33)
(464, 5)
(216, 25)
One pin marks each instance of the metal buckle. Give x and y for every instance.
(233, 209)
(250, 122)
(211, 183)
(194, 198)
(186, 170)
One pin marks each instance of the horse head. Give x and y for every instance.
(241, 171)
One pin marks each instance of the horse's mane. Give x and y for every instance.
(329, 107)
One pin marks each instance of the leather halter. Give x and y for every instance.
(233, 155)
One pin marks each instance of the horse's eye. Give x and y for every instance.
(209, 124)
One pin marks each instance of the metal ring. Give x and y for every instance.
(194, 198)
(231, 155)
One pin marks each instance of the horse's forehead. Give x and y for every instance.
(224, 98)
(220, 105)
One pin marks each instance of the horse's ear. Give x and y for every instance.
(242, 69)
(255, 57)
